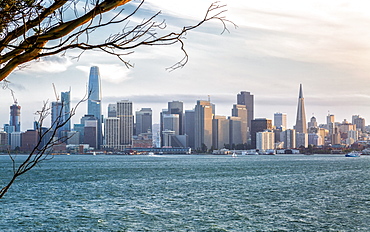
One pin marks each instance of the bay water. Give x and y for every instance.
(189, 193)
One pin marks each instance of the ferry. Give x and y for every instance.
(353, 154)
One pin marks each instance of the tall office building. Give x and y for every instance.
(280, 121)
(301, 124)
(189, 125)
(124, 113)
(220, 132)
(312, 123)
(289, 138)
(203, 125)
(177, 107)
(247, 99)
(15, 114)
(112, 110)
(143, 121)
(259, 125)
(235, 132)
(171, 122)
(359, 122)
(94, 101)
(111, 132)
(265, 140)
(241, 112)
(66, 101)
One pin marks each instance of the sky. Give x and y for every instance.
(277, 45)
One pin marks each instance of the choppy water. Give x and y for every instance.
(190, 193)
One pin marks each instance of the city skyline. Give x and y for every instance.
(276, 46)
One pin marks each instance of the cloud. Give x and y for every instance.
(112, 73)
(49, 64)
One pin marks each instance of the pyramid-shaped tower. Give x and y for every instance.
(300, 125)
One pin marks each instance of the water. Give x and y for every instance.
(190, 193)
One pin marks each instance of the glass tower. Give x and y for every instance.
(94, 101)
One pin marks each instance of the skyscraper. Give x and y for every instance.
(143, 120)
(15, 113)
(126, 122)
(94, 101)
(258, 125)
(190, 127)
(60, 114)
(176, 107)
(247, 99)
(280, 121)
(203, 125)
(301, 125)
(241, 112)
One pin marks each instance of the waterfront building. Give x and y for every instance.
(241, 112)
(265, 140)
(289, 138)
(143, 121)
(94, 101)
(301, 126)
(15, 114)
(29, 140)
(189, 127)
(259, 125)
(235, 131)
(280, 121)
(247, 99)
(203, 125)
(124, 113)
(15, 140)
(112, 133)
(220, 132)
(171, 122)
(177, 107)
(4, 144)
(91, 131)
(167, 137)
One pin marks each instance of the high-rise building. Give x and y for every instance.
(220, 132)
(359, 122)
(301, 140)
(94, 101)
(289, 138)
(312, 123)
(90, 131)
(189, 126)
(15, 113)
(171, 122)
(241, 112)
(258, 125)
(112, 133)
(177, 107)
(280, 121)
(301, 124)
(235, 132)
(203, 125)
(60, 115)
(247, 99)
(265, 140)
(124, 113)
(143, 121)
(112, 110)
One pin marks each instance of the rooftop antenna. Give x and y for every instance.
(209, 98)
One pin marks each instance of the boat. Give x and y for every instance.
(234, 155)
(353, 154)
(251, 152)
